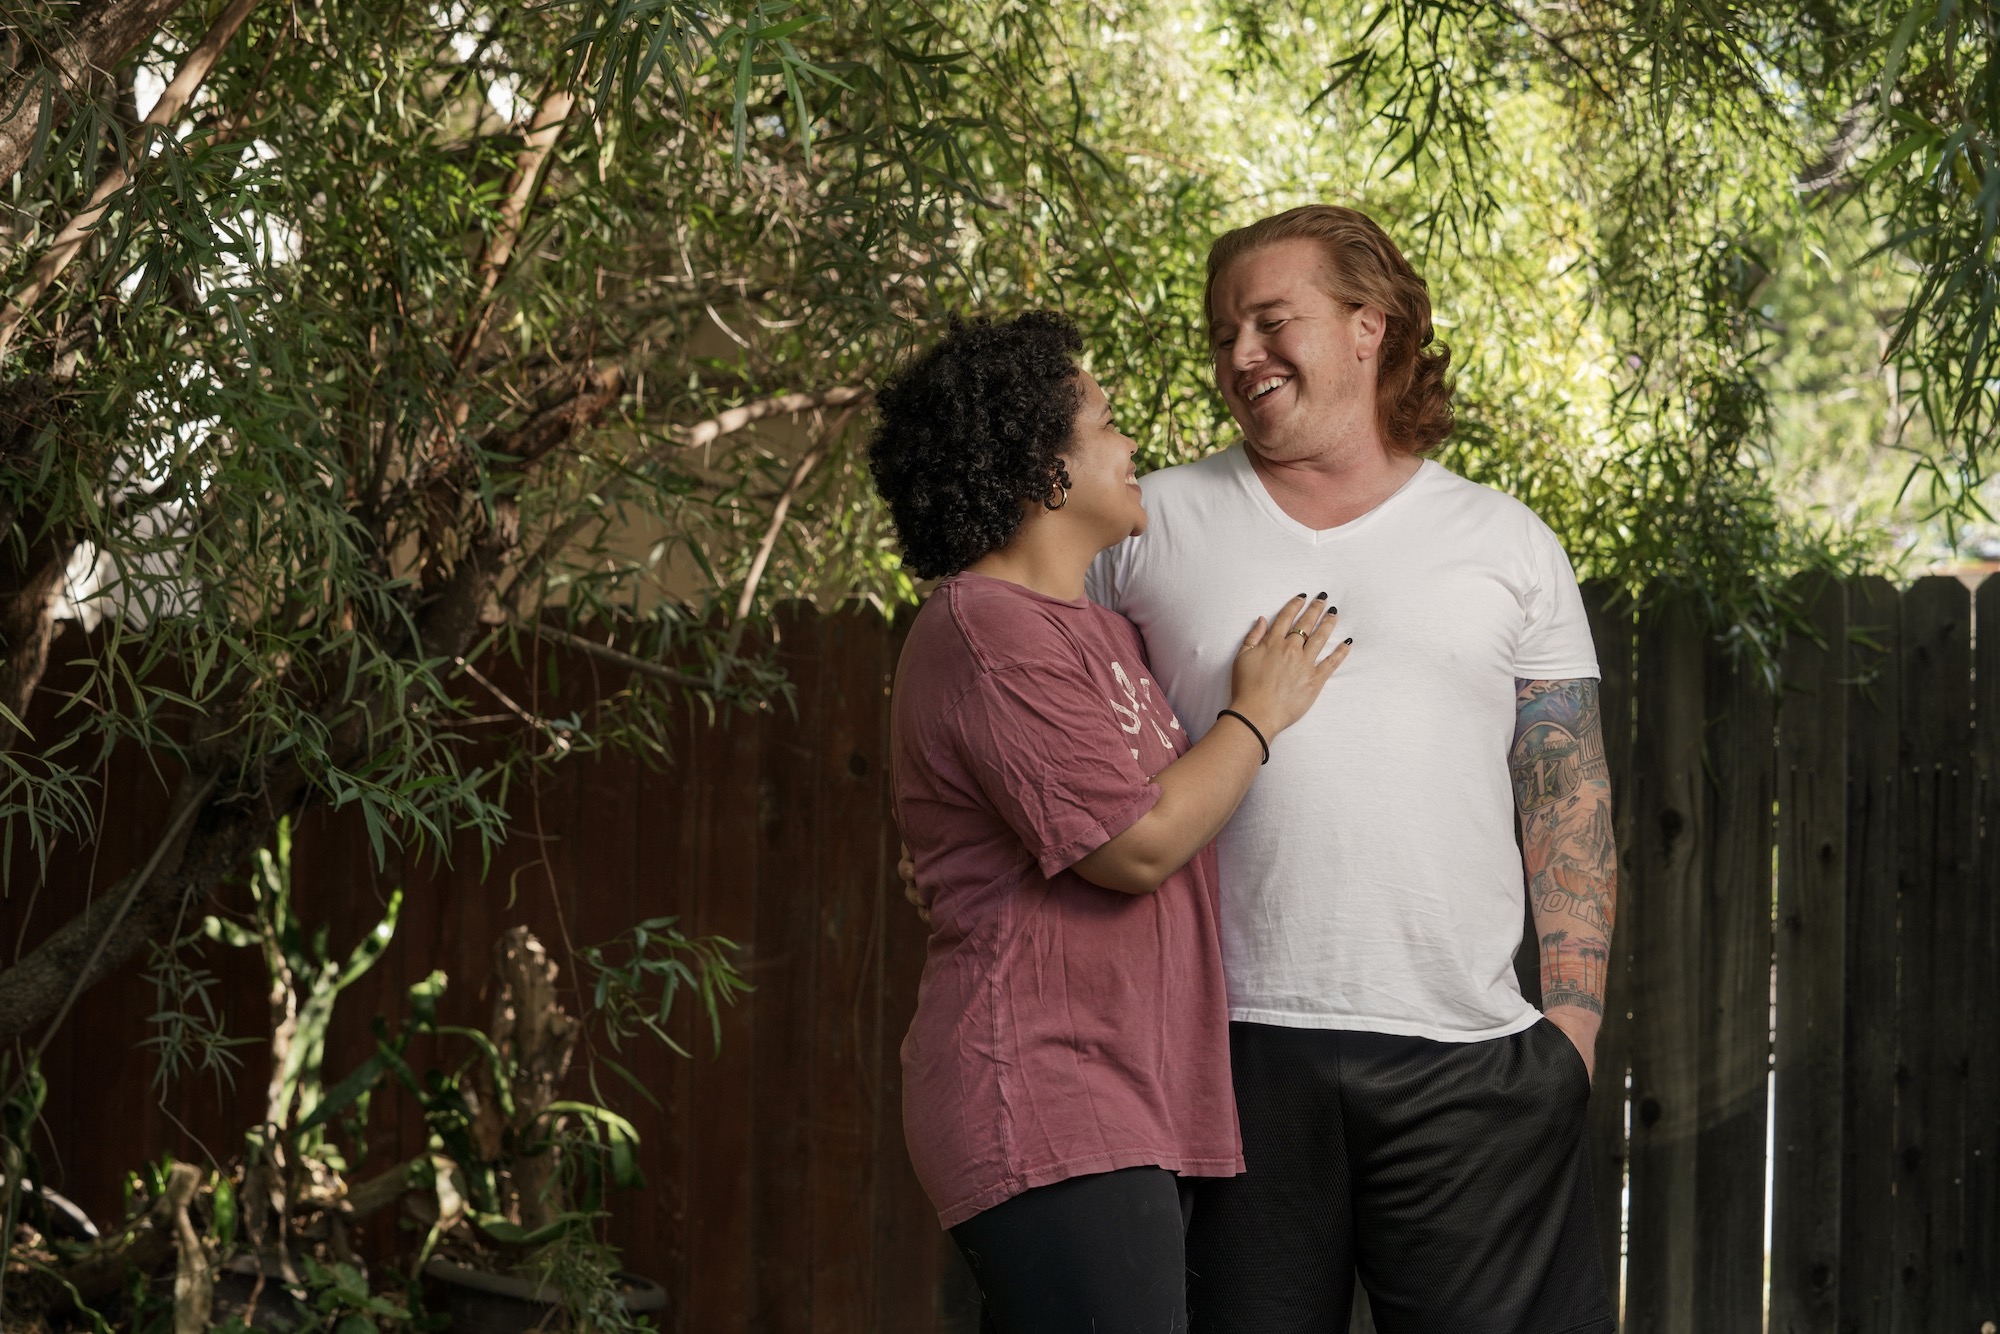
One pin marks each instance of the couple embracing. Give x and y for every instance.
(1211, 785)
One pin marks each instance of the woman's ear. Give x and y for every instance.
(1059, 484)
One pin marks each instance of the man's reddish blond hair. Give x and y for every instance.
(1364, 268)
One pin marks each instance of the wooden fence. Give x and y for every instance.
(1807, 904)
(1805, 960)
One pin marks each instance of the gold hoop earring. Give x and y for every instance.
(1057, 498)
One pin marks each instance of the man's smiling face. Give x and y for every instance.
(1296, 366)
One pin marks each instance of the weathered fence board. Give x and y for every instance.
(1734, 1030)
(851, 876)
(785, 954)
(726, 884)
(1612, 627)
(1981, 1161)
(1936, 837)
(1874, 790)
(780, 1197)
(665, 859)
(1664, 919)
(1811, 968)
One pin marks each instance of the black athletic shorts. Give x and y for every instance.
(1454, 1177)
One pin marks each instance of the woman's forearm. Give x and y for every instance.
(1198, 793)
(1273, 682)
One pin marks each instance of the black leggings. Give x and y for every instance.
(1101, 1254)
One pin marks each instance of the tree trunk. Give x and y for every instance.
(28, 595)
(90, 49)
(236, 820)
(220, 837)
(537, 1037)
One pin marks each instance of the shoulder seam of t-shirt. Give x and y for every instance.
(985, 674)
(965, 633)
(979, 655)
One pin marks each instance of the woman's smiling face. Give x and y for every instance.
(1104, 488)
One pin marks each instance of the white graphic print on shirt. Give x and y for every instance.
(1139, 705)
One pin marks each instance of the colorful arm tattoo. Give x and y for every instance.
(1562, 792)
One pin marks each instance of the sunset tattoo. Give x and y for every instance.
(1562, 789)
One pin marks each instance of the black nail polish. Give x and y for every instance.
(1348, 640)
(1320, 598)
(1300, 596)
(1333, 611)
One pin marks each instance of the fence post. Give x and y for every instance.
(1664, 922)
(1982, 1090)
(1868, 1105)
(843, 893)
(1811, 966)
(1733, 1090)
(1933, 878)
(722, 759)
(790, 809)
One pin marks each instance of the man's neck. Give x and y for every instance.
(1337, 487)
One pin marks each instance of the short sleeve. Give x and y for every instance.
(1043, 744)
(1555, 644)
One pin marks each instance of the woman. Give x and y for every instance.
(1068, 1062)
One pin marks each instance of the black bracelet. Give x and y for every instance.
(1231, 713)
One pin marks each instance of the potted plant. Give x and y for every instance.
(514, 1242)
(510, 1192)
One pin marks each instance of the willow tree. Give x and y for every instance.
(357, 353)
(348, 342)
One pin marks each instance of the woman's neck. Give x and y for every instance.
(1038, 561)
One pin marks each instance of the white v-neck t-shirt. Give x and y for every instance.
(1371, 878)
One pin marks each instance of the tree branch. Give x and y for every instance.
(91, 48)
(735, 419)
(551, 426)
(168, 842)
(748, 598)
(828, 440)
(621, 659)
(723, 423)
(81, 952)
(543, 131)
(378, 1191)
(78, 229)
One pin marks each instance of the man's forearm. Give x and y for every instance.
(1562, 789)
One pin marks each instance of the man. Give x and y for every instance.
(1405, 1112)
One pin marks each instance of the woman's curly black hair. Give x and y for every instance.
(970, 430)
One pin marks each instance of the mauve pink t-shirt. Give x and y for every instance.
(1062, 1028)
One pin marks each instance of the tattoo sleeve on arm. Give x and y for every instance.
(1562, 791)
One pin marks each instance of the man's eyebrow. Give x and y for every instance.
(1256, 309)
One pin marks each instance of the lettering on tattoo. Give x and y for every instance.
(1583, 902)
